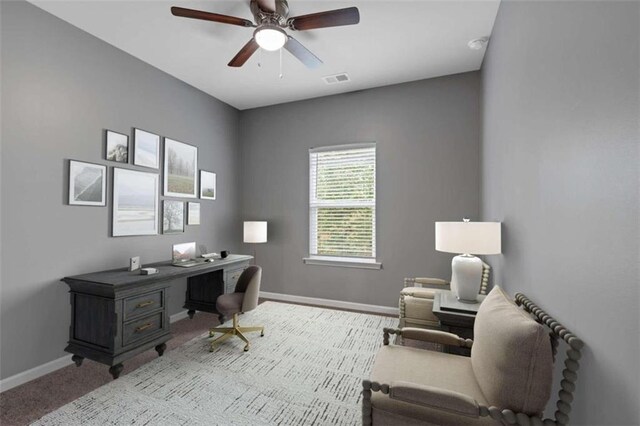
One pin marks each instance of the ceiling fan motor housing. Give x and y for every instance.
(277, 18)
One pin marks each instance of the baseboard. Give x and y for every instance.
(34, 373)
(330, 303)
(177, 317)
(56, 364)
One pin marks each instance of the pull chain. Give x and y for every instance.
(281, 74)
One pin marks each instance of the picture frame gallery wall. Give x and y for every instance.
(180, 169)
(135, 203)
(146, 149)
(136, 191)
(87, 184)
(117, 147)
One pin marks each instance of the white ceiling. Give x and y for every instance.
(396, 41)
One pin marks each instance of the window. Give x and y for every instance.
(342, 204)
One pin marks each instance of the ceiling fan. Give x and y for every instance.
(272, 17)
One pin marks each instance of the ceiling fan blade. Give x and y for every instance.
(330, 18)
(208, 16)
(302, 53)
(244, 54)
(267, 5)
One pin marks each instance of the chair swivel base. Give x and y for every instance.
(235, 330)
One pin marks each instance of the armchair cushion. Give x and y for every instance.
(446, 372)
(429, 396)
(511, 356)
(418, 307)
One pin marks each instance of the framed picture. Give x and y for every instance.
(146, 149)
(135, 203)
(117, 147)
(207, 185)
(172, 217)
(87, 184)
(180, 169)
(193, 213)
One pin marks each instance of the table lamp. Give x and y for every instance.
(468, 238)
(255, 232)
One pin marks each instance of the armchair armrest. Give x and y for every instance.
(429, 282)
(433, 336)
(432, 397)
(442, 399)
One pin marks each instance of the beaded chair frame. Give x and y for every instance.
(567, 384)
(443, 284)
(438, 284)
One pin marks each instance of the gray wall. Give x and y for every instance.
(61, 88)
(560, 163)
(427, 136)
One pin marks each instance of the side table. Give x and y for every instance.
(456, 317)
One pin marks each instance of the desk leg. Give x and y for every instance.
(191, 313)
(77, 359)
(116, 370)
(161, 348)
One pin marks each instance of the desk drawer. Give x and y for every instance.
(139, 329)
(231, 279)
(140, 305)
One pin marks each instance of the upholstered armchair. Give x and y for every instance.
(507, 379)
(416, 299)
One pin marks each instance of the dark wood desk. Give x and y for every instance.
(118, 314)
(454, 320)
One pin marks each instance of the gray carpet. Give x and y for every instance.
(28, 402)
(306, 370)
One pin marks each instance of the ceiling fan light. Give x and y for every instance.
(270, 37)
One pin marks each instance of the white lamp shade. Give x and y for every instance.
(469, 237)
(255, 232)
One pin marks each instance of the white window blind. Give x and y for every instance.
(342, 201)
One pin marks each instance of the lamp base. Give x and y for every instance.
(466, 276)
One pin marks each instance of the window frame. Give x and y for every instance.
(313, 205)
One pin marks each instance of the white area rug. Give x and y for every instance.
(306, 370)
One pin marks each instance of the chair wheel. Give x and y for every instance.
(262, 334)
(246, 348)
(211, 334)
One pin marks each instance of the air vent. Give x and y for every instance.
(337, 78)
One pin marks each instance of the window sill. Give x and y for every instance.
(342, 263)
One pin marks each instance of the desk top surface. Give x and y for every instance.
(166, 271)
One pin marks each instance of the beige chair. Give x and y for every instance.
(507, 379)
(244, 299)
(416, 299)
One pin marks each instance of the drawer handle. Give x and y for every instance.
(143, 327)
(143, 304)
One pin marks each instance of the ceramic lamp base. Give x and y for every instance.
(466, 276)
